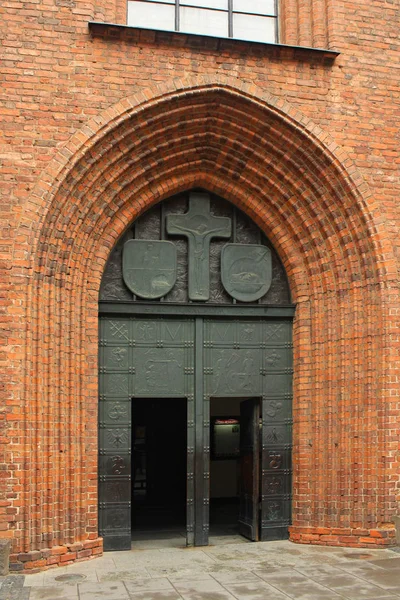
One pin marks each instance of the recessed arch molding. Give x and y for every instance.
(290, 177)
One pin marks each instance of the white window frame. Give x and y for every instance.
(230, 12)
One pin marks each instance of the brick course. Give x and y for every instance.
(95, 129)
(39, 560)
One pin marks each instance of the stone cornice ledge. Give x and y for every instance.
(126, 33)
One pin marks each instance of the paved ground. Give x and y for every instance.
(232, 570)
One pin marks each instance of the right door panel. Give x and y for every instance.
(276, 431)
(249, 490)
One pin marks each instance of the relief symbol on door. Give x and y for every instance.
(274, 408)
(275, 461)
(117, 519)
(232, 373)
(117, 384)
(162, 372)
(115, 491)
(273, 511)
(117, 411)
(117, 437)
(118, 355)
(272, 359)
(117, 465)
(146, 331)
(119, 330)
(274, 436)
(248, 333)
(274, 485)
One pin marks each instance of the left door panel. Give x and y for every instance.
(139, 357)
(115, 433)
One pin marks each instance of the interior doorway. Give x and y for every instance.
(159, 475)
(235, 474)
(224, 466)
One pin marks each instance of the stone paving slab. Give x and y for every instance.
(217, 594)
(346, 584)
(199, 576)
(103, 591)
(388, 580)
(166, 595)
(61, 592)
(387, 563)
(12, 588)
(236, 571)
(236, 576)
(122, 574)
(255, 591)
(296, 585)
(149, 585)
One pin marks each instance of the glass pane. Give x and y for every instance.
(151, 15)
(256, 29)
(221, 4)
(259, 7)
(158, 1)
(204, 22)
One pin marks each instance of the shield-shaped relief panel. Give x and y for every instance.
(149, 267)
(246, 271)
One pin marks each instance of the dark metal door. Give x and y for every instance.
(197, 358)
(276, 468)
(142, 358)
(253, 358)
(249, 489)
(203, 314)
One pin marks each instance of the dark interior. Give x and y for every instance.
(159, 473)
(159, 464)
(224, 466)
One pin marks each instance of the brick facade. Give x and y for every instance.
(96, 127)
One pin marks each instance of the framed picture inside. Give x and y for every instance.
(225, 438)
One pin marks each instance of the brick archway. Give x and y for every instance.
(267, 159)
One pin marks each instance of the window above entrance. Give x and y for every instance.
(239, 19)
(195, 248)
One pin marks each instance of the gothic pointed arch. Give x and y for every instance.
(259, 153)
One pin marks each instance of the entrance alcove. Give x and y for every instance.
(195, 379)
(263, 156)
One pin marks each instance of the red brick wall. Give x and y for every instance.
(96, 129)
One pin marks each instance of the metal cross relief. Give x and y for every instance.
(200, 227)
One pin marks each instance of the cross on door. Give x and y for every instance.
(200, 227)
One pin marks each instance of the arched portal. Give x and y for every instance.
(195, 377)
(302, 191)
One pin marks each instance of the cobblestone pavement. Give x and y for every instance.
(237, 570)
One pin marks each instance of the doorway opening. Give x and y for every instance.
(234, 491)
(195, 304)
(159, 474)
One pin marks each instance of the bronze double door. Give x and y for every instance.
(198, 358)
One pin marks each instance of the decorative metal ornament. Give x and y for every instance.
(200, 227)
(246, 271)
(149, 267)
